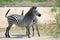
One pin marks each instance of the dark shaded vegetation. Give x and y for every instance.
(22, 0)
(58, 3)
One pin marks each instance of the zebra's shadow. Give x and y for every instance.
(19, 36)
(13, 35)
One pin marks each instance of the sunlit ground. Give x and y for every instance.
(49, 30)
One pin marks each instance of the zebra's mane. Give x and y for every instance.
(31, 10)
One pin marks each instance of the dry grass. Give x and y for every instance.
(2, 29)
(50, 30)
(14, 29)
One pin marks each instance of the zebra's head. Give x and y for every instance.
(33, 10)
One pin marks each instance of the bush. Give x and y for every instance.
(22, 0)
(58, 3)
(41, 0)
(53, 9)
(15, 0)
(11, 0)
(38, 0)
(2, 0)
(57, 16)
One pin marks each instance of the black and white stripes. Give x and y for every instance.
(19, 20)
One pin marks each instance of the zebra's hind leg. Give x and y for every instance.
(27, 32)
(37, 30)
(7, 31)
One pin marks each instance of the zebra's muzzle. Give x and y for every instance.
(39, 15)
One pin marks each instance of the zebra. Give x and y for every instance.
(34, 23)
(23, 21)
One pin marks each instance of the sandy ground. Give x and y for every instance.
(17, 36)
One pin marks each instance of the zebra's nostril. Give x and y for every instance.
(33, 20)
(39, 15)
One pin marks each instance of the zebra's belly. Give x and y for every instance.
(20, 25)
(24, 24)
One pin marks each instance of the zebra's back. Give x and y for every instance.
(15, 19)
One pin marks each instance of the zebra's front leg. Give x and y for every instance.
(7, 31)
(33, 29)
(28, 31)
(37, 30)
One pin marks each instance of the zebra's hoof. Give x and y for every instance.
(39, 35)
(33, 35)
(28, 37)
(7, 36)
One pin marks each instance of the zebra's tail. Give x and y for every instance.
(7, 13)
(22, 12)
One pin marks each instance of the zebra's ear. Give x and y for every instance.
(34, 7)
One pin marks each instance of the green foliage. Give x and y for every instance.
(33, 0)
(22, 0)
(11, 0)
(54, 9)
(41, 0)
(58, 3)
(38, 0)
(58, 25)
(57, 16)
(2, 0)
(15, 0)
